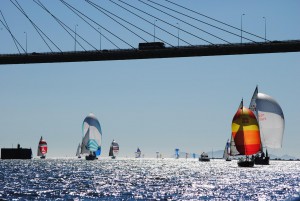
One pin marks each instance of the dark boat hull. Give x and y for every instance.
(91, 157)
(113, 157)
(204, 159)
(262, 161)
(245, 163)
(43, 157)
(228, 159)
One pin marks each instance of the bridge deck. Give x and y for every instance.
(127, 54)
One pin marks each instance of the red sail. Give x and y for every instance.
(43, 147)
(245, 132)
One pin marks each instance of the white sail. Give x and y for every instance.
(270, 117)
(138, 153)
(115, 148)
(92, 133)
(78, 150)
(233, 151)
(226, 150)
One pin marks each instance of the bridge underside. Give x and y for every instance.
(128, 54)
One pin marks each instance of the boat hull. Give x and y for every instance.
(228, 159)
(113, 157)
(262, 161)
(245, 163)
(204, 159)
(43, 157)
(90, 157)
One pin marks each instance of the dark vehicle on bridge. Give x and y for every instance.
(151, 46)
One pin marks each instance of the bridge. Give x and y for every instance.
(213, 40)
(127, 54)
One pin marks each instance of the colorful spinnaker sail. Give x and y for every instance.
(42, 148)
(270, 118)
(245, 132)
(92, 136)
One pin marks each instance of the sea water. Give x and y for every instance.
(147, 179)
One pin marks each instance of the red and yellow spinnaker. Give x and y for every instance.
(245, 132)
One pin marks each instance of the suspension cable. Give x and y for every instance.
(99, 8)
(148, 22)
(181, 19)
(13, 37)
(167, 23)
(216, 20)
(35, 26)
(64, 26)
(74, 9)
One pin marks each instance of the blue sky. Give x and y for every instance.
(154, 104)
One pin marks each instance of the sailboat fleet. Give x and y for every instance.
(255, 128)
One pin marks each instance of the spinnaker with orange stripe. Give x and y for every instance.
(245, 132)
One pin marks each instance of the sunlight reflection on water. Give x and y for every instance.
(135, 179)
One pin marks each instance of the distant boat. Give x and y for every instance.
(92, 137)
(204, 157)
(78, 151)
(271, 123)
(114, 149)
(42, 148)
(176, 153)
(138, 153)
(245, 135)
(226, 154)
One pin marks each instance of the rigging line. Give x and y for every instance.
(180, 28)
(95, 5)
(148, 21)
(182, 20)
(35, 26)
(63, 25)
(216, 20)
(13, 37)
(72, 9)
(90, 24)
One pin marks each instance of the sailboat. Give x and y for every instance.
(78, 151)
(92, 137)
(271, 122)
(114, 149)
(226, 154)
(245, 135)
(42, 148)
(176, 153)
(138, 153)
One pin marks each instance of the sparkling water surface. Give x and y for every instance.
(147, 179)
